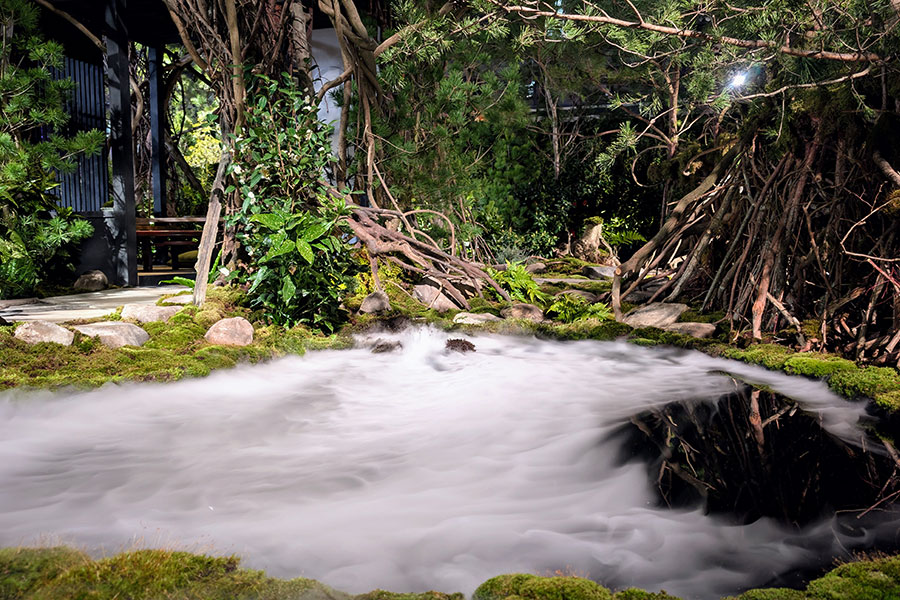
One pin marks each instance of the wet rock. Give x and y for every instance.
(592, 272)
(658, 314)
(4, 322)
(467, 318)
(433, 298)
(460, 346)
(586, 296)
(376, 302)
(697, 330)
(148, 313)
(114, 334)
(236, 331)
(382, 346)
(523, 311)
(35, 332)
(536, 267)
(92, 281)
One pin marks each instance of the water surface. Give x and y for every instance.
(412, 470)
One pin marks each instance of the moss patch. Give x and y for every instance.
(636, 594)
(877, 579)
(533, 587)
(22, 569)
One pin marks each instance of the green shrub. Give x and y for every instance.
(570, 308)
(519, 283)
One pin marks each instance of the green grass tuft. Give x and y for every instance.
(533, 587)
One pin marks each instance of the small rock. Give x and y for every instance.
(536, 267)
(467, 318)
(586, 296)
(4, 322)
(92, 281)
(148, 313)
(432, 297)
(382, 346)
(697, 330)
(523, 311)
(376, 302)
(236, 331)
(460, 346)
(500, 267)
(34, 332)
(114, 334)
(182, 299)
(657, 314)
(592, 272)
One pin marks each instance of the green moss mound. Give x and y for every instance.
(636, 594)
(773, 594)
(533, 587)
(815, 365)
(151, 574)
(383, 595)
(877, 579)
(22, 569)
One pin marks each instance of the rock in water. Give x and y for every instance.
(657, 314)
(114, 334)
(460, 346)
(434, 298)
(376, 302)
(697, 330)
(382, 346)
(34, 332)
(148, 313)
(467, 318)
(92, 281)
(523, 311)
(236, 331)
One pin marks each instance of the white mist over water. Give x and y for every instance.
(405, 471)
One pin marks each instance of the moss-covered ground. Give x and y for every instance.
(66, 574)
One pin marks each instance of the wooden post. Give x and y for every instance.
(210, 229)
(124, 257)
(157, 131)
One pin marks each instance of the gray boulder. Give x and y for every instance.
(586, 296)
(536, 267)
(376, 302)
(115, 334)
(180, 299)
(434, 298)
(523, 311)
(34, 332)
(604, 272)
(467, 318)
(148, 313)
(92, 281)
(236, 331)
(697, 330)
(657, 314)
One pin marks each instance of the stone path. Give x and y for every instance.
(60, 309)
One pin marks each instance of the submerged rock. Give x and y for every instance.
(457, 345)
(236, 331)
(657, 314)
(92, 281)
(114, 334)
(35, 332)
(376, 302)
(467, 318)
(529, 312)
(383, 346)
(148, 313)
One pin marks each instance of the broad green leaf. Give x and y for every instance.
(268, 220)
(305, 251)
(288, 290)
(280, 249)
(314, 232)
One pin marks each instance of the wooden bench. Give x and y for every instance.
(173, 234)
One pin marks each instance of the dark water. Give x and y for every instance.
(420, 469)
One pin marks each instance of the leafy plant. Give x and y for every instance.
(36, 236)
(180, 281)
(519, 283)
(304, 267)
(570, 308)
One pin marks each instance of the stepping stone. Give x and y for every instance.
(114, 334)
(236, 331)
(148, 313)
(182, 299)
(35, 332)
